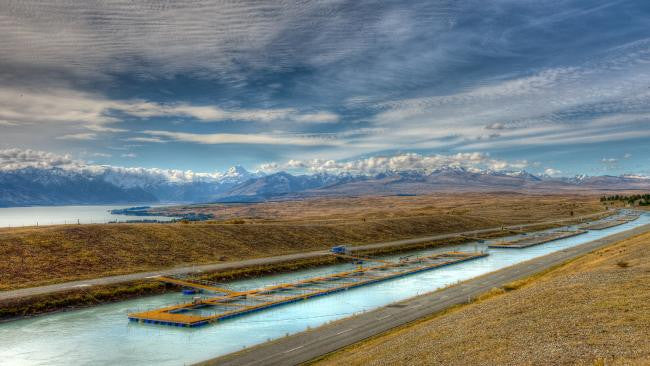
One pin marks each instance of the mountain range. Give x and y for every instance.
(57, 186)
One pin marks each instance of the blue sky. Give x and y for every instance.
(561, 87)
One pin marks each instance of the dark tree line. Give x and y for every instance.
(640, 199)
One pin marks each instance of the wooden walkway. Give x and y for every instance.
(542, 238)
(203, 311)
(606, 224)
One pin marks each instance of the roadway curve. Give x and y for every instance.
(112, 280)
(306, 346)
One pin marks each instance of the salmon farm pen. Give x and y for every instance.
(537, 239)
(229, 304)
(606, 224)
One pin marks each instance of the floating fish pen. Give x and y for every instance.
(620, 220)
(229, 304)
(538, 239)
(605, 225)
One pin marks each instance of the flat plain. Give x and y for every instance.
(45, 255)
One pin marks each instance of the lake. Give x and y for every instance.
(56, 215)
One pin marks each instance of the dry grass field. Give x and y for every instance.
(43, 255)
(335, 209)
(592, 311)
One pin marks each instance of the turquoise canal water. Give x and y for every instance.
(102, 335)
(57, 215)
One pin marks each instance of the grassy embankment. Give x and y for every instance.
(46, 255)
(594, 310)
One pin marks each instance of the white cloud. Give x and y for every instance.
(16, 159)
(233, 138)
(209, 113)
(610, 163)
(79, 136)
(99, 128)
(12, 159)
(20, 105)
(495, 126)
(95, 112)
(146, 139)
(627, 156)
(552, 172)
(636, 176)
(203, 113)
(401, 162)
(320, 117)
(101, 155)
(129, 155)
(206, 39)
(600, 100)
(561, 135)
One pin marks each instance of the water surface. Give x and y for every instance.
(57, 215)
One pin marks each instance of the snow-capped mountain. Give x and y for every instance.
(284, 185)
(281, 184)
(99, 185)
(238, 174)
(56, 186)
(622, 182)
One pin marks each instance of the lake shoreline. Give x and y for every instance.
(39, 216)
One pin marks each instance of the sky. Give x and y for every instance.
(553, 87)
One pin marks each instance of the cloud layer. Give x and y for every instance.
(16, 159)
(61, 105)
(403, 162)
(322, 81)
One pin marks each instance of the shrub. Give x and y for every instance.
(622, 264)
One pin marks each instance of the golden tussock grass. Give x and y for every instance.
(594, 310)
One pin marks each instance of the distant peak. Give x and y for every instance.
(236, 170)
